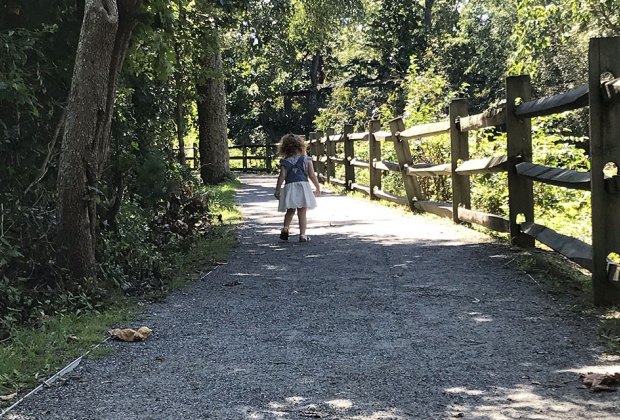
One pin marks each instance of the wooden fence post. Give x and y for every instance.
(349, 155)
(313, 151)
(604, 94)
(374, 155)
(196, 157)
(459, 151)
(330, 151)
(268, 156)
(519, 134)
(403, 152)
(244, 153)
(320, 152)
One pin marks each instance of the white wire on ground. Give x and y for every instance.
(71, 366)
(62, 372)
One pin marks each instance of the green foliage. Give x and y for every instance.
(564, 210)
(34, 354)
(137, 182)
(428, 95)
(350, 106)
(609, 330)
(138, 259)
(312, 21)
(396, 31)
(475, 54)
(154, 179)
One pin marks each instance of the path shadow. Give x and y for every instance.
(448, 328)
(380, 316)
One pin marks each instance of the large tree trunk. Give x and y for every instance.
(103, 44)
(316, 78)
(212, 123)
(77, 172)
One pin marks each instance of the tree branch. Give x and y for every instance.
(52, 146)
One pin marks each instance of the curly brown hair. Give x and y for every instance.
(291, 145)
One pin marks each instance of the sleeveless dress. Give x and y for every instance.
(297, 192)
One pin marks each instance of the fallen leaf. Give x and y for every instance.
(601, 381)
(9, 397)
(127, 334)
(145, 331)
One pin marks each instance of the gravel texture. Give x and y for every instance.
(383, 315)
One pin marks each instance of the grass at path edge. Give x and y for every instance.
(33, 354)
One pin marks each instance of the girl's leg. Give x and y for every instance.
(301, 215)
(288, 218)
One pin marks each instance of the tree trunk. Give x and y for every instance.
(212, 123)
(428, 15)
(178, 79)
(180, 124)
(104, 41)
(127, 13)
(78, 166)
(316, 76)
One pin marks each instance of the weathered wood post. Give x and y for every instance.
(268, 156)
(374, 155)
(320, 152)
(349, 154)
(244, 152)
(604, 92)
(195, 157)
(312, 151)
(330, 151)
(403, 152)
(459, 151)
(519, 134)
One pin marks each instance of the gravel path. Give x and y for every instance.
(383, 315)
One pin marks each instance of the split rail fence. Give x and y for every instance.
(601, 95)
(253, 157)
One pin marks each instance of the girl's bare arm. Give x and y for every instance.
(281, 179)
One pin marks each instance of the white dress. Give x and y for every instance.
(296, 195)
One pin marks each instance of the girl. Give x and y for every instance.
(295, 168)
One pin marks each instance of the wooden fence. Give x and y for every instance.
(264, 155)
(191, 156)
(602, 95)
(248, 157)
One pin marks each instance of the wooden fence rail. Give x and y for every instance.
(601, 95)
(250, 155)
(254, 157)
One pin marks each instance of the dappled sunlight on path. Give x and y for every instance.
(383, 315)
(450, 321)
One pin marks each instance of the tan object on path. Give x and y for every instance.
(127, 334)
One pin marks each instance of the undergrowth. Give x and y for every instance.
(31, 353)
